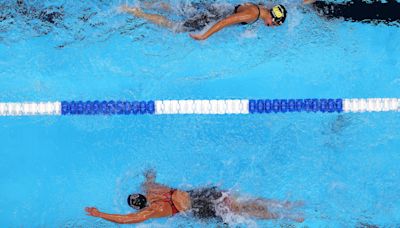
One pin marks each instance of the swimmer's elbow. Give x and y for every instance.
(236, 19)
(124, 219)
(129, 222)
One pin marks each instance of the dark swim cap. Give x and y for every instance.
(278, 14)
(137, 201)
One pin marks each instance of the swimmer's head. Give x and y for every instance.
(278, 14)
(137, 201)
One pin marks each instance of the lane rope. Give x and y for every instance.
(201, 107)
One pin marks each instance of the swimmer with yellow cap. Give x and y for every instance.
(278, 14)
(246, 13)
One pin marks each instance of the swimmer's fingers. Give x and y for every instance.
(134, 11)
(128, 9)
(88, 210)
(123, 9)
(150, 174)
(92, 211)
(197, 36)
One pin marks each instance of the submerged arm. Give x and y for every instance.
(151, 184)
(122, 219)
(230, 20)
(150, 176)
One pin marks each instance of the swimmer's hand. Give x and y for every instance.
(197, 36)
(150, 175)
(92, 211)
(123, 9)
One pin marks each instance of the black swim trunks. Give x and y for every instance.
(205, 201)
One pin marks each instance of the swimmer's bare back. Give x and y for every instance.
(246, 13)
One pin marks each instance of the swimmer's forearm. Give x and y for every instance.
(121, 219)
(215, 28)
(220, 25)
(231, 20)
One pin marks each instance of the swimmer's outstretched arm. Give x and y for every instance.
(141, 216)
(154, 18)
(260, 209)
(230, 20)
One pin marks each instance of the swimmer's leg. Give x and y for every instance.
(279, 204)
(154, 18)
(156, 4)
(257, 209)
(251, 208)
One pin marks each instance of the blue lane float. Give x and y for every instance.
(295, 105)
(107, 107)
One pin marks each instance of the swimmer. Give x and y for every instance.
(203, 203)
(246, 13)
(359, 11)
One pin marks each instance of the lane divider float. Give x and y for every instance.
(204, 107)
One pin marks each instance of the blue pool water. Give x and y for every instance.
(343, 166)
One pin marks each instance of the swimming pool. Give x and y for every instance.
(343, 165)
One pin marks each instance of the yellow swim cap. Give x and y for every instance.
(278, 14)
